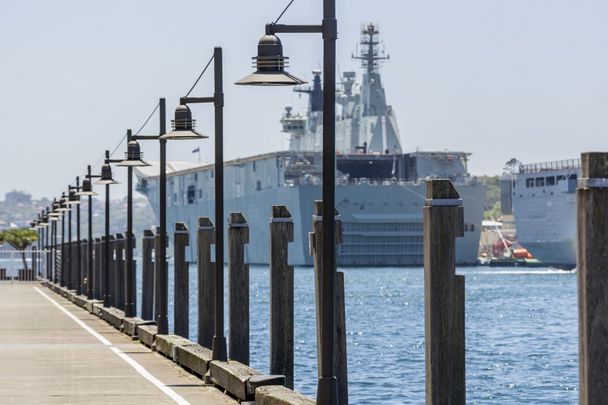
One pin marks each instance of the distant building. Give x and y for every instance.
(17, 197)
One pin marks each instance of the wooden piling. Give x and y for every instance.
(206, 283)
(238, 288)
(443, 222)
(84, 265)
(592, 275)
(181, 307)
(281, 295)
(316, 249)
(119, 271)
(133, 282)
(97, 269)
(147, 277)
(157, 261)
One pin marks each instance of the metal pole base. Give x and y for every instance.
(327, 391)
(220, 352)
(162, 325)
(129, 310)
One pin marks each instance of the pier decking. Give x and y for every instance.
(54, 352)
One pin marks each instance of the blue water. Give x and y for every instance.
(521, 334)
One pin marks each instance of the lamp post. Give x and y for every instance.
(183, 125)
(270, 71)
(87, 190)
(133, 158)
(183, 115)
(74, 199)
(63, 208)
(107, 180)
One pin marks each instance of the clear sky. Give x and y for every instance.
(497, 78)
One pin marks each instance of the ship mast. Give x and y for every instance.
(371, 54)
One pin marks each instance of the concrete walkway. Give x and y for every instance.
(49, 357)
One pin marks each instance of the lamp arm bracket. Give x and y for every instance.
(272, 29)
(113, 161)
(330, 29)
(145, 137)
(93, 176)
(196, 100)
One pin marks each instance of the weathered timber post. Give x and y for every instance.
(315, 244)
(592, 275)
(157, 264)
(103, 285)
(443, 295)
(281, 295)
(206, 283)
(97, 270)
(181, 296)
(238, 279)
(111, 246)
(129, 304)
(340, 353)
(119, 272)
(84, 267)
(147, 276)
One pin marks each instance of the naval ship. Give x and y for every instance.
(542, 197)
(380, 190)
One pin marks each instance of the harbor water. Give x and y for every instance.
(521, 333)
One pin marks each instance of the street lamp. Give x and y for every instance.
(74, 200)
(185, 125)
(107, 180)
(87, 190)
(270, 71)
(183, 116)
(133, 158)
(62, 208)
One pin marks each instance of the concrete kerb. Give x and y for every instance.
(166, 344)
(147, 335)
(239, 379)
(194, 358)
(279, 395)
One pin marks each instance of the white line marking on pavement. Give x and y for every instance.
(138, 367)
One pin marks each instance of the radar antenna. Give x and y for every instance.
(370, 53)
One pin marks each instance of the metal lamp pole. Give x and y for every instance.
(69, 248)
(90, 242)
(267, 62)
(219, 340)
(162, 322)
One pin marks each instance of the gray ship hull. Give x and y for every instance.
(382, 223)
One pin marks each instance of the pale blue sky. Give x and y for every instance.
(498, 78)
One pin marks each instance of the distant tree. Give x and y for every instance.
(19, 239)
(511, 166)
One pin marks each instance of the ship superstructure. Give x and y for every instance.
(543, 201)
(380, 190)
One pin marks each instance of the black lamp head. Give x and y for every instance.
(106, 175)
(183, 125)
(86, 189)
(133, 156)
(73, 198)
(270, 65)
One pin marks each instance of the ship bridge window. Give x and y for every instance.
(572, 177)
(529, 183)
(258, 185)
(191, 194)
(550, 181)
(540, 182)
